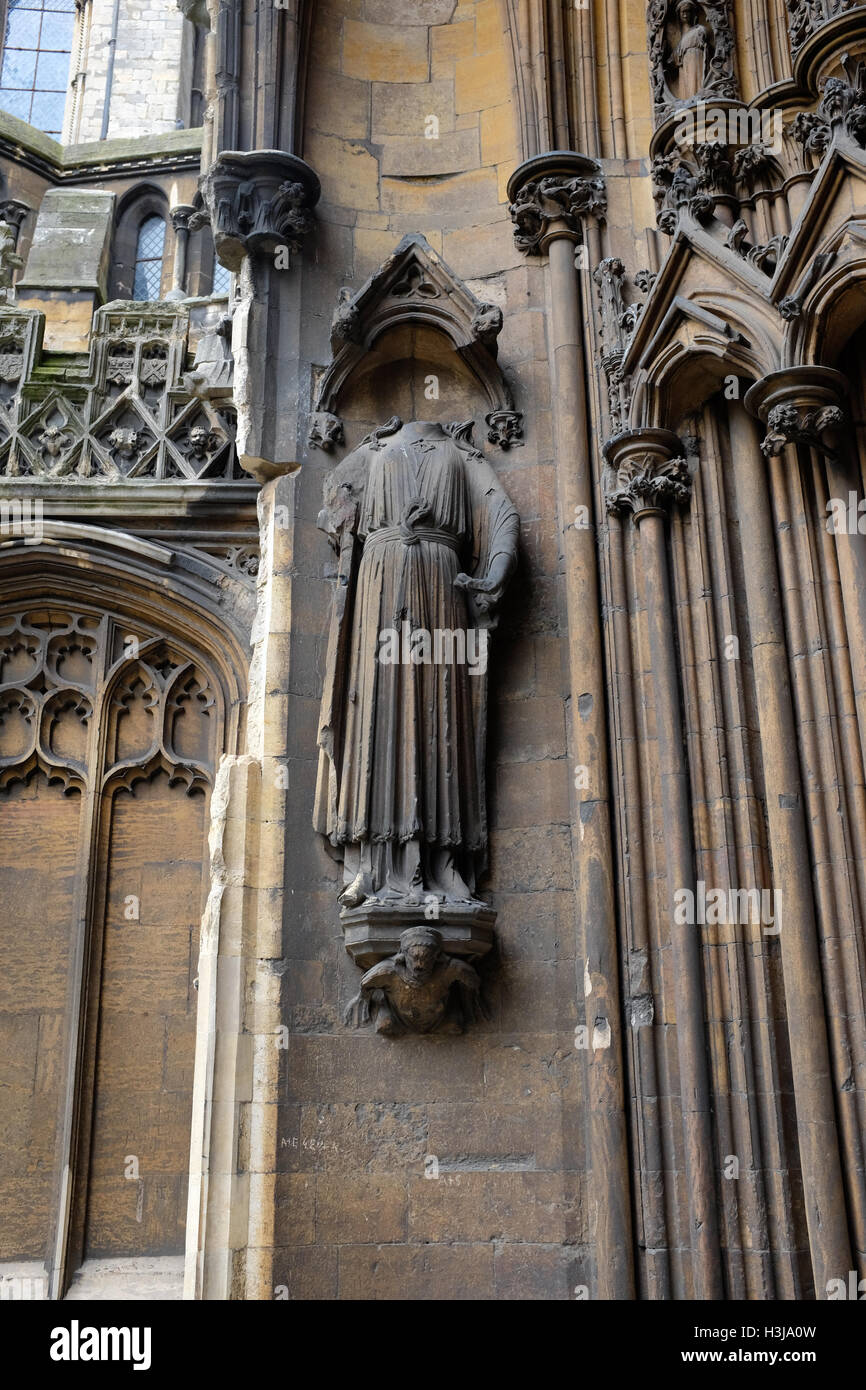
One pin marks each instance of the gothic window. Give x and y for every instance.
(109, 736)
(148, 258)
(36, 53)
(222, 279)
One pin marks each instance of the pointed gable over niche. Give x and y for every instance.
(415, 286)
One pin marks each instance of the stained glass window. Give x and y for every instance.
(36, 52)
(148, 258)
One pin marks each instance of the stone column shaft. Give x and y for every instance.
(789, 848)
(680, 862)
(647, 478)
(595, 903)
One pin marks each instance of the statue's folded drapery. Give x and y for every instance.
(401, 785)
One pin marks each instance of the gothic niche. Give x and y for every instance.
(411, 304)
(691, 49)
(426, 541)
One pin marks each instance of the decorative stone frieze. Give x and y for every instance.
(129, 413)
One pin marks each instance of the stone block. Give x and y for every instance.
(349, 173)
(430, 1273)
(498, 136)
(483, 81)
(546, 1273)
(402, 108)
(295, 1216)
(366, 1208)
(338, 105)
(378, 52)
(424, 12)
(71, 242)
(487, 1206)
(448, 43)
(305, 1274)
(420, 158)
(450, 196)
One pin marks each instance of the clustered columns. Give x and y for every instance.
(799, 406)
(646, 478)
(551, 195)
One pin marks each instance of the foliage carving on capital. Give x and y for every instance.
(647, 482)
(541, 202)
(790, 424)
(256, 203)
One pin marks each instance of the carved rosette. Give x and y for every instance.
(800, 405)
(550, 195)
(645, 473)
(256, 203)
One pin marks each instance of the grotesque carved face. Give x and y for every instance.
(420, 960)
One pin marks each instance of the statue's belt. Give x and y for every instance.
(411, 536)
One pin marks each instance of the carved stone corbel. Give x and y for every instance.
(325, 430)
(799, 405)
(256, 202)
(13, 213)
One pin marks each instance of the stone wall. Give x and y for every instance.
(364, 1122)
(144, 93)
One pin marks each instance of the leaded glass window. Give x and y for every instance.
(222, 278)
(36, 53)
(148, 258)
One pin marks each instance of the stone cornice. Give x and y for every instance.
(22, 144)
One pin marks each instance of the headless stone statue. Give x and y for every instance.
(427, 541)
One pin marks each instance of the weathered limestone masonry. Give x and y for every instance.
(545, 323)
(134, 57)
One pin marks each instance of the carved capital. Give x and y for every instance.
(801, 405)
(645, 472)
(550, 195)
(180, 216)
(13, 212)
(256, 203)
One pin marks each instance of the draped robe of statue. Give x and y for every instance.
(427, 540)
(691, 53)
